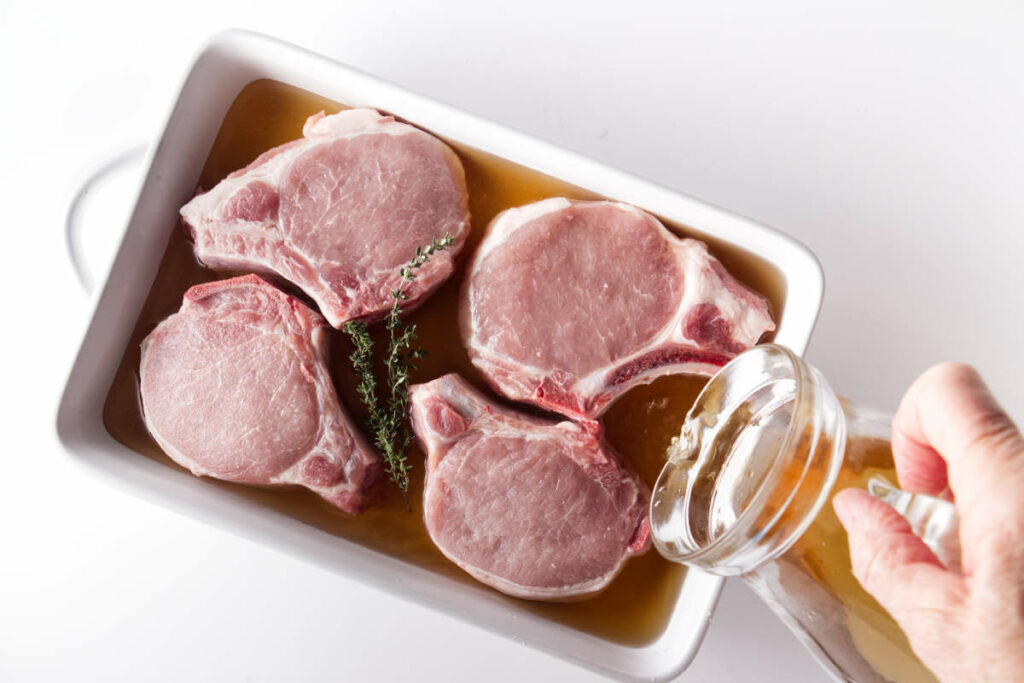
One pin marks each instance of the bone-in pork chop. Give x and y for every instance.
(534, 508)
(338, 212)
(234, 386)
(567, 304)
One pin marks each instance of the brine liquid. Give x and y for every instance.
(813, 578)
(636, 607)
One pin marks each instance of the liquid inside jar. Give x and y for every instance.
(813, 578)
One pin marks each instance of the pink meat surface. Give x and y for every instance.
(568, 304)
(534, 508)
(234, 386)
(339, 212)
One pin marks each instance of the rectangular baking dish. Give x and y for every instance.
(229, 62)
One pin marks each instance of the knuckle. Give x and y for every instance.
(992, 431)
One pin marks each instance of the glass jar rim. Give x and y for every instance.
(736, 541)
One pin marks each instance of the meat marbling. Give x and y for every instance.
(338, 212)
(567, 304)
(534, 508)
(234, 386)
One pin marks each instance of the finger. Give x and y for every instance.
(948, 422)
(919, 467)
(893, 564)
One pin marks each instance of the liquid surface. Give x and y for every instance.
(635, 609)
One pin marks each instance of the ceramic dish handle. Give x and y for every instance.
(81, 202)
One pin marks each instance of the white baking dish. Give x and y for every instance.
(231, 61)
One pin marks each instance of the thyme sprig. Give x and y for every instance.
(388, 420)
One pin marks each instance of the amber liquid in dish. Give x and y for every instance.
(635, 609)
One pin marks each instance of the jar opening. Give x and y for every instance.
(740, 475)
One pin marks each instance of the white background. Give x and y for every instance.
(887, 138)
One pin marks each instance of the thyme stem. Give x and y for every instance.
(388, 421)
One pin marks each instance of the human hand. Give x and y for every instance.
(950, 438)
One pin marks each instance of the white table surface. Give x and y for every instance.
(887, 139)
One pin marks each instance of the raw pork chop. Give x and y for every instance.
(535, 508)
(234, 386)
(339, 212)
(570, 303)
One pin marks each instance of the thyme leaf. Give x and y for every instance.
(388, 420)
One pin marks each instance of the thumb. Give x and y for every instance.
(893, 564)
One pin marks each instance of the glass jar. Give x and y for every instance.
(746, 492)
